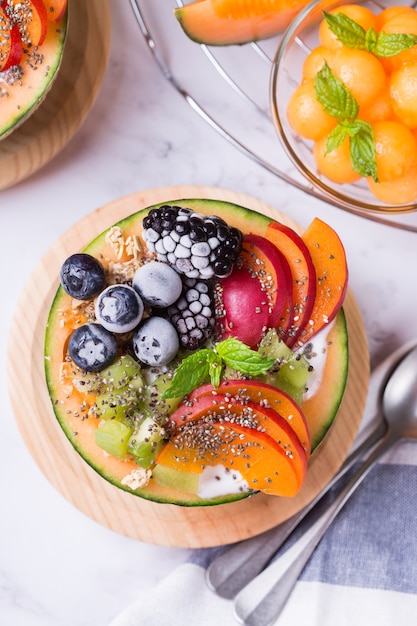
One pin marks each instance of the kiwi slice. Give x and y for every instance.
(146, 441)
(291, 369)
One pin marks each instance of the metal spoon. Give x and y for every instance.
(231, 571)
(228, 573)
(262, 600)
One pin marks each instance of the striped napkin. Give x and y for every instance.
(363, 572)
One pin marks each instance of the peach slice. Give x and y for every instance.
(245, 307)
(10, 43)
(329, 259)
(255, 455)
(223, 409)
(31, 18)
(267, 396)
(265, 260)
(55, 9)
(303, 273)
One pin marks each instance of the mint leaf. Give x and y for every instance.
(192, 372)
(362, 149)
(347, 31)
(240, 357)
(208, 364)
(390, 44)
(371, 40)
(333, 95)
(353, 35)
(215, 368)
(335, 138)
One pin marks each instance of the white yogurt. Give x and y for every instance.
(218, 480)
(317, 359)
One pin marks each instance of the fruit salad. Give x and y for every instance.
(356, 101)
(196, 352)
(32, 40)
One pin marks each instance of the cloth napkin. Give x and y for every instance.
(363, 572)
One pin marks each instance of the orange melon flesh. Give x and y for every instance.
(260, 460)
(71, 408)
(26, 93)
(226, 22)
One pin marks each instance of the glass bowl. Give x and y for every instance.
(286, 74)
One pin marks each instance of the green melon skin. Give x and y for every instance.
(25, 97)
(321, 421)
(113, 470)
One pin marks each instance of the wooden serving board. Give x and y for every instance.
(52, 125)
(121, 511)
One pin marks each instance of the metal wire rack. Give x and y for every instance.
(228, 87)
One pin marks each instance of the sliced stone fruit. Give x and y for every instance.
(267, 396)
(225, 409)
(260, 460)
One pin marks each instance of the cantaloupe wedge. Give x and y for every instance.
(225, 22)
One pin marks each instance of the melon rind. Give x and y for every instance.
(56, 337)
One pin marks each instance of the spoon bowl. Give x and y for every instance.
(400, 398)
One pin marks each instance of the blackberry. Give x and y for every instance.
(192, 315)
(195, 245)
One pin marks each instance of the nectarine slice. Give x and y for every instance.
(267, 396)
(264, 260)
(239, 410)
(255, 455)
(245, 308)
(303, 274)
(55, 9)
(31, 18)
(10, 43)
(329, 259)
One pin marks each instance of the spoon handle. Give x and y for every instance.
(232, 570)
(263, 599)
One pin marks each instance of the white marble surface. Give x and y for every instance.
(57, 567)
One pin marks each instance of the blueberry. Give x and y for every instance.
(92, 347)
(156, 341)
(82, 276)
(158, 284)
(119, 308)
